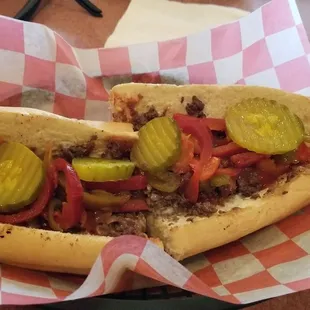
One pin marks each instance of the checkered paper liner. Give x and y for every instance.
(269, 47)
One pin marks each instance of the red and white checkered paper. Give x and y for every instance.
(269, 47)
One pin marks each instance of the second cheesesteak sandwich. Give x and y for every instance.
(221, 161)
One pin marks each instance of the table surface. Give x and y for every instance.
(65, 16)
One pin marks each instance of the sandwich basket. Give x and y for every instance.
(269, 48)
(165, 297)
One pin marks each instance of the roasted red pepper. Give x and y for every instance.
(303, 153)
(217, 124)
(72, 209)
(136, 182)
(198, 129)
(191, 190)
(187, 154)
(196, 145)
(133, 205)
(268, 166)
(246, 159)
(227, 150)
(208, 169)
(38, 206)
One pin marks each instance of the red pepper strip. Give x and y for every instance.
(246, 159)
(216, 142)
(217, 124)
(191, 191)
(198, 131)
(203, 134)
(303, 153)
(268, 166)
(72, 209)
(136, 182)
(133, 205)
(208, 169)
(187, 154)
(227, 150)
(196, 145)
(37, 207)
(232, 172)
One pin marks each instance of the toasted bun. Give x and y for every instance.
(49, 250)
(35, 129)
(170, 99)
(240, 216)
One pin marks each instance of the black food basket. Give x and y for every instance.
(159, 298)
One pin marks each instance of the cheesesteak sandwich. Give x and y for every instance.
(67, 187)
(221, 161)
(194, 167)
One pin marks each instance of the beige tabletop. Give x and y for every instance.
(82, 30)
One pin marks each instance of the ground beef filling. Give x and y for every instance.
(112, 225)
(105, 223)
(117, 150)
(247, 184)
(78, 150)
(175, 203)
(195, 108)
(114, 150)
(100, 223)
(138, 120)
(122, 224)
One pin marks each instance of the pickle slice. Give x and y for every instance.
(159, 145)
(102, 200)
(167, 181)
(264, 126)
(21, 176)
(101, 170)
(220, 180)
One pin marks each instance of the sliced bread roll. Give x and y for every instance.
(183, 235)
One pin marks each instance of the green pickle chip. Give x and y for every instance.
(101, 170)
(159, 145)
(220, 180)
(21, 176)
(264, 126)
(166, 181)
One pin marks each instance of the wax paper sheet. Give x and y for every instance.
(269, 47)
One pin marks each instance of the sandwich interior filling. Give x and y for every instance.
(181, 165)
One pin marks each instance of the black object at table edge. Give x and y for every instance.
(197, 303)
(29, 9)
